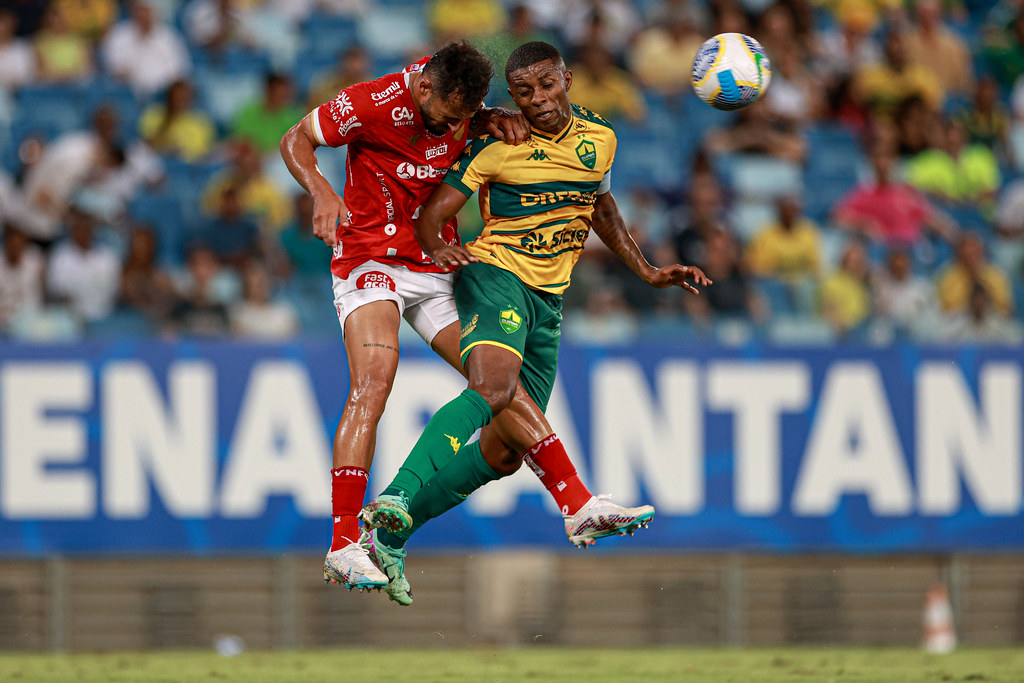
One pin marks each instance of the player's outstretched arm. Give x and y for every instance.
(504, 124)
(298, 149)
(442, 206)
(608, 224)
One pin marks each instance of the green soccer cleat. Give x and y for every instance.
(391, 561)
(388, 512)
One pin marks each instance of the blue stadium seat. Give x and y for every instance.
(121, 324)
(777, 294)
(163, 212)
(59, 106)
(390, 32)
(760, 177)
(327, 36)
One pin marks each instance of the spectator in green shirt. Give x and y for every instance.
(955, 171)
(265, 120)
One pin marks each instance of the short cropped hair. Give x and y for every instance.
(460, 70)
(529, 54)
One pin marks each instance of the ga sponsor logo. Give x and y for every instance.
(401, 114)
(437, 151)
(383, 94)
(375, 280)
(408, 171)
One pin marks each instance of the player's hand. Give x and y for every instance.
(328, 210)
(512, 127)
(677, 276)
(452, 256)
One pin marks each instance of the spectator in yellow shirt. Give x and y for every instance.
(258, 195)
(662, 56)
(599, 85)
(845, 298)
(972, 267)
(453, 19)
(174, 127)
(883, 87)
(933, 45)
(789, 248)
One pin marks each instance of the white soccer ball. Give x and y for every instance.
(730, 71)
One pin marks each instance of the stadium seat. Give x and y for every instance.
(760, 177)
(388, 32)
(164, 214)
(776, 294)
(326, 36)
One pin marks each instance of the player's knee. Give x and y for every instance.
(507, 465)
(369, 395)
(497, 394)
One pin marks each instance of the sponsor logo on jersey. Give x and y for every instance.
(468, 329)
(587, 152)
(375, 280)
(543, 198)
(407, 171)
(413, 139)
(509, 320)
(536, 241)
(340, 107)
(344, 128)
(385, 93)
(437, 151)
(580, 124)
(401, 114)
(538, 155)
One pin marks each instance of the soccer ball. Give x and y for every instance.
(730, 71)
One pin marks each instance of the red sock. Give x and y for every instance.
(549, 461)
(348, 488)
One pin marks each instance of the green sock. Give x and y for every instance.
(452, 484)
(441, 440)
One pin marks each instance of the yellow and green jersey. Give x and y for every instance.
(537, 198)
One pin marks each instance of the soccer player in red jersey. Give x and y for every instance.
(403, 131)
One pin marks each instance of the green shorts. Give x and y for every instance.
(495, 307)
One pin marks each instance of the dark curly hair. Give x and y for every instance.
(459, 70)
(528, 54)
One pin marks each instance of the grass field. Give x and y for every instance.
(534, 664)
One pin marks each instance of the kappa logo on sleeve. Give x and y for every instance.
(375, 280)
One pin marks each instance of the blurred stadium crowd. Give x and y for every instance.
(875, 194)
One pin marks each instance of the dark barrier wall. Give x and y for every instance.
(202, 448)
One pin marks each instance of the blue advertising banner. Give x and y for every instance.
(202, 448)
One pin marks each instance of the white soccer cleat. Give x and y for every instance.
(352, 567)
(599, 517)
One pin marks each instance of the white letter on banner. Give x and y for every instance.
(421, 387)
(633, 430)
(853, 447)
(952, 436)
(757, 393)
(279, 445)
(32, 440)
(501, 500)
(173, 443)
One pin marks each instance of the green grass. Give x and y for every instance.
(533, 664)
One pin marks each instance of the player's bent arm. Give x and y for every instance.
(608, 224)
(444, 203)
(298, 149)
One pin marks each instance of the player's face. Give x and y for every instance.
(541, 91)
(441, 115)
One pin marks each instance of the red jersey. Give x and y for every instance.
(393, 165)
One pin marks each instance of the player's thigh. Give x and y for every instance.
(370, 318)
(430, 311)
(540, 360)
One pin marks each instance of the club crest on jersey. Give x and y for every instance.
(587, 153)
(375, 280)
(340, 107)
(510, 321)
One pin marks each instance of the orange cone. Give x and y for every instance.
(939, 633)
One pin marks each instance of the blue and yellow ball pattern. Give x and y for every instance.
(730, 71)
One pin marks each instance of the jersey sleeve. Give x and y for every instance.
(479, 163)
(606, 181)
(343, 119)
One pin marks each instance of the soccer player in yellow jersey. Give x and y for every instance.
(539, 202)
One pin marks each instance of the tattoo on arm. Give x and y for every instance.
(608, 225)
(381, 346)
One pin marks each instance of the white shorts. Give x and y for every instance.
(423, 299)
